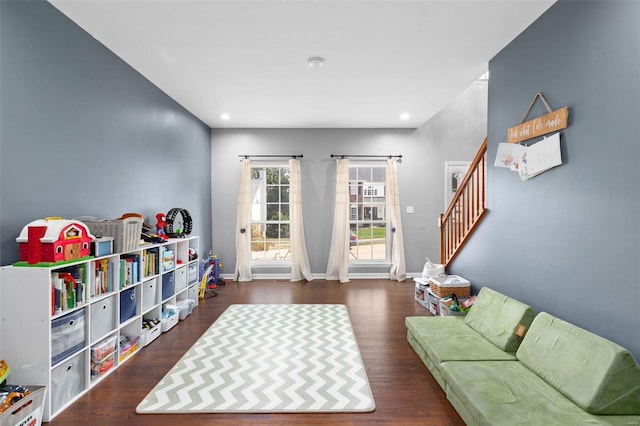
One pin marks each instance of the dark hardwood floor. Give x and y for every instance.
(404, 391)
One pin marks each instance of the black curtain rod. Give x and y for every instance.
(366, 156)
(271, 156)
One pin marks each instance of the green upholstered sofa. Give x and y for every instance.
(560, 374)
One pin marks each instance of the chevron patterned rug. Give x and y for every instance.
(268, 359)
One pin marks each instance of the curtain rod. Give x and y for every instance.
(271, 156)
(366, 156)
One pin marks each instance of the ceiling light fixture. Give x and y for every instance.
(225, 116)
(405, 116)
(315, 61)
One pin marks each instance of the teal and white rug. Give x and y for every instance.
(268, 359)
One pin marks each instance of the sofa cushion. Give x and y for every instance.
(507, 393)
(497, 317)
(437, 339)
(450, 339)
(597, 374)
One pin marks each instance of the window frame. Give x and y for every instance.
(264, 207)
(372, 188)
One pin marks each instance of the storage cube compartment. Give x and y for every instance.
(127, 304)
(103, 318)
(128, 346)
(150, 332)
(99, 368)
(421, 293)
(67, 335)
(444, 308)
(27, 411)
(169, 318)
(103, 349)
(168, 285)
(433, 303)
(149, 294)
(180, 279)
(67, 381)
(192, 273)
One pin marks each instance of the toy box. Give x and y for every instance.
(27, 411)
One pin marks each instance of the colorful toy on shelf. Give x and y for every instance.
(160, 225)
(4, 371)
(209, 275)
(54, 240)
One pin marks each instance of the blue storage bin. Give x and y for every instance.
(168, 285)
(67, 335)
(127, 304)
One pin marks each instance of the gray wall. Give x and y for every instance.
(453, 134)
(568, 241)
(82, 133)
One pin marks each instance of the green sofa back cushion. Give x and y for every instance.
(497, 317)
(598, 375)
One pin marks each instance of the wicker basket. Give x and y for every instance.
(450, 284)
(125, 232)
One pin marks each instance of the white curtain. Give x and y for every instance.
(398, 269)
(338, 265)
(300, 267)
(243, 225)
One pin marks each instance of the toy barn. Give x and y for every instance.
(54, 240)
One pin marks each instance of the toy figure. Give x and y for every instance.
(162, 222)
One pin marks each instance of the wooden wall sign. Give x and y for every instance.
(551, 122)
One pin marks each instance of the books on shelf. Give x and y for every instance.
(68, 289)
(129, 269)
(103, 277)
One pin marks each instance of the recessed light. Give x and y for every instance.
(405, 116)
(315, 61)
(225, 116)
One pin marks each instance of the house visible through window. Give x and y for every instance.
(367, 221)
(270, 239)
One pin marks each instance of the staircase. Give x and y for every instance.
(466, 210)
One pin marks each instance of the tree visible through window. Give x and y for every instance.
(367, 198)
(270, 240)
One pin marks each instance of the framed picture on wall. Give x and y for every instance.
(454, 172)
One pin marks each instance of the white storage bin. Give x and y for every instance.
(67, 381)
(193, 294)
(149, 294)
(169, 322)
(103, 317)
(67, 335)
(180, 279)
(150, 334)
(184, 308)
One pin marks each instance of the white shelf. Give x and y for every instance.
(27, 305)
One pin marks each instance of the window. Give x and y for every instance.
(270, 239)
(368, 236)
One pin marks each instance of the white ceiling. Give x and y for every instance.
(249, 58)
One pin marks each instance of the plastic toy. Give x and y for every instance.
(10, 394)
(160, 225)
(54, 240)
(4, 371)
(209, 276)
